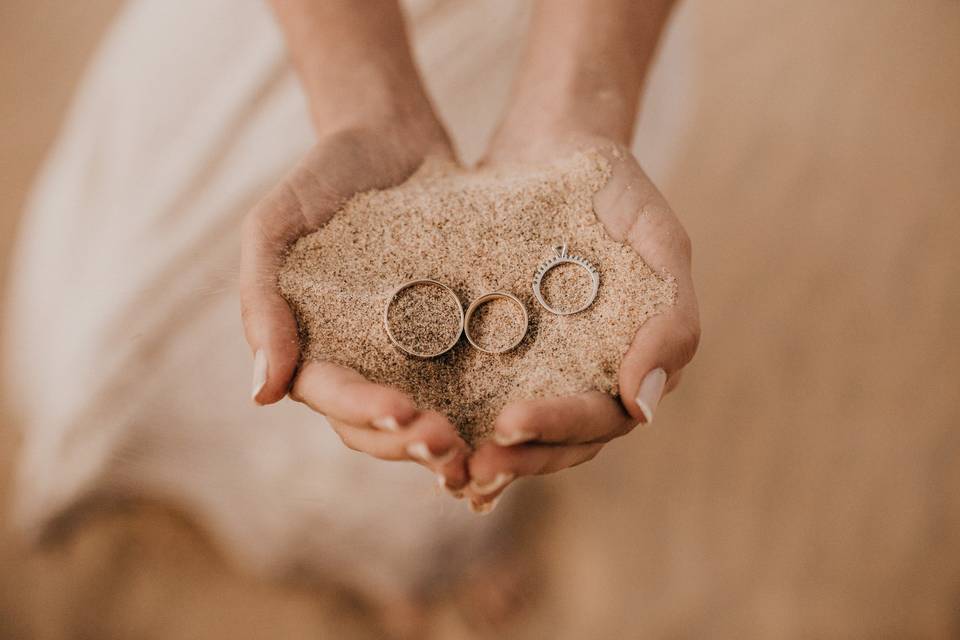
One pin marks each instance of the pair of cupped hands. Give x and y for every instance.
(529, 437)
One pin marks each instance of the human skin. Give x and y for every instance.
(578, 86)
(374, 126)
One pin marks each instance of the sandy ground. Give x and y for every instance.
(803, 482)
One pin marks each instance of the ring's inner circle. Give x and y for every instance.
(566, 287)
(497, 324)
(424, 318)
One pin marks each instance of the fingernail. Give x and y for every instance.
(651, 389)
(421, 451)
(442, 483)
(483, 508)
(500, 481)
(510, 439)
(386, 423)
(259, 373)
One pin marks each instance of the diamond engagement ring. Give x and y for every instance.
(562, 257)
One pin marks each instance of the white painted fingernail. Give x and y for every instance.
(651, 390)
(386, 423)
(442, 483)
(259, 373)
(510, 439)
(483, 508)
(421, 451)
(500, 481)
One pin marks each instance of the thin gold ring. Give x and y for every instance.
(494, 295)
(393, 338)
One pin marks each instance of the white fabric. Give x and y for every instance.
(126, 355)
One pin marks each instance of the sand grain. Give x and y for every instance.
(476, 231)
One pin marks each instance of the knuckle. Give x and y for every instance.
(517, 415)
(348, 442)
(488, 461)
(277, 220)
(590, 455)
(504, 460)
(657, 232)
(268, 229)
(687, 340)
(615, 431)
(684, 244)
(294, 394)
(245, 311)
(432, 424)
(626, 427)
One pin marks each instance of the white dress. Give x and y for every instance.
(126, 356)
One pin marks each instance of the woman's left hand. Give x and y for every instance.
(544, 436)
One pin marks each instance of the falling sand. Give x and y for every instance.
(475, 231)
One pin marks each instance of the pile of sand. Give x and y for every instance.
(475, 231)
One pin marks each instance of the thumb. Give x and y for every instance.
(269, 324)
(653, 363)
(665, 343)
(635, 212)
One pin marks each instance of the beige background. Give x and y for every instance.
(804, 481)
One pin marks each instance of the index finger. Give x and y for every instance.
(342, 394)
(587, 417)
(268, 321)
(634, 211)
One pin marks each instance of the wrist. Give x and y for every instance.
(366, 97)
(584, 67)
(575, 110)
(354, 63)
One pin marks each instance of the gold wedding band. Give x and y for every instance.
(393, 338)
(495, 295)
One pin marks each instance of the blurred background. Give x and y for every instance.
(804, 481)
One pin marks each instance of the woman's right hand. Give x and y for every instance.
(372, 418)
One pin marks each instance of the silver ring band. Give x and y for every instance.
(562, 257)
(495, 295)
(393, 338)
